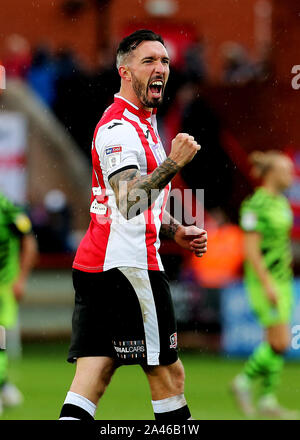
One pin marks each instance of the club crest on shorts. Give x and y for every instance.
(173, 340)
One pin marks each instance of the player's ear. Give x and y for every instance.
(124, 73)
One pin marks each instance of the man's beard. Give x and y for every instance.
(141, 93)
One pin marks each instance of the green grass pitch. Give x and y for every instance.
(44, 376)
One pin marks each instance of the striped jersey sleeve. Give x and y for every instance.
(118, 147)
(252, 214)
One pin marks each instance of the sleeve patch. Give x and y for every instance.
(249, 221)
(113, 156)
(112, 150)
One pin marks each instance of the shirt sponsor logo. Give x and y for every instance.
(173, 340)
(98, 208)
(97, 191)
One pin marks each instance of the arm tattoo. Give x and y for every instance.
(135, 193)
(169, 226)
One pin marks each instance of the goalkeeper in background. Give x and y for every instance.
(18, 252)
(266, 219)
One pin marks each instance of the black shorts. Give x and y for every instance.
(124, 313)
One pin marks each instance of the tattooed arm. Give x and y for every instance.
(169, 225)
(134, 193)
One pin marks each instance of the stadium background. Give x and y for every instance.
(231, 87)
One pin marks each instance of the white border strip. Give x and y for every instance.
(139, 279)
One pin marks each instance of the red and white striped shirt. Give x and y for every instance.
(125, 137)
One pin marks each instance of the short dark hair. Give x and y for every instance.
(131, 42)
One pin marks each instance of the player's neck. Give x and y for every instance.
(129, 95)
(271, 188)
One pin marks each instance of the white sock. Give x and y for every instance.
(169, 404)
(81, 402)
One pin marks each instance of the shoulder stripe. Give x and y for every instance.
(151, 162)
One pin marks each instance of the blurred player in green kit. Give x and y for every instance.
(18, 253)
(266, 219)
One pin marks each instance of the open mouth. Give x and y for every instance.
(156, 88)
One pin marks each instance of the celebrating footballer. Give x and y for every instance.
(123, 308)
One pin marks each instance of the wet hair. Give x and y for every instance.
(263, 162)
(132, 41)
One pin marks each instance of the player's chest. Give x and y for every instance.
(152, 151)
(280, 218)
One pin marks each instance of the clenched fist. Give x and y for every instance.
(184, 148)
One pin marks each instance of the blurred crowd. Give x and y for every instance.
(78, 95)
